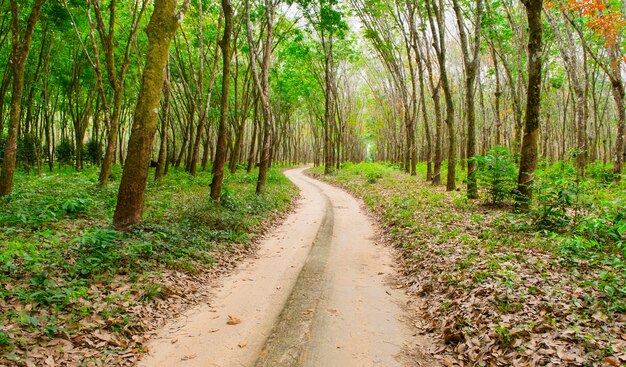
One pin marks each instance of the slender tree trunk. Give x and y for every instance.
(497, 95)
(158, 172)
(470, 61)
(241, 129)
(19, 56)
(528, 159)
(251, 153)
(222, 134)
(263, 88)
(619, 96)
(329, 103)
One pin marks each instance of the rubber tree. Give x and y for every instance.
(261, 80)
(470, 62)
(528, 159)
(165, 116)
(328, 21)
(579, 80)
(436, 19)
(610, 32)
(164, 21)
(116, 76)
(21, 38)
(222, 137)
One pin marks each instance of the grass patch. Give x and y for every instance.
(65, 273)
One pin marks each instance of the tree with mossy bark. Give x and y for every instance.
(164, 22)
(529, 155)
(21, 37)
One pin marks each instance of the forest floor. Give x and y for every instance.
(495, 288)
(320, 291)
(476, 284)
(74, 292)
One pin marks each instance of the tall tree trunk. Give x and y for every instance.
(329, 103)
(158, 172)
(263, 88)
(222, 134)
(437, 12)
(234, 161)
(470, 61)
(497, 94)
(528, 159)
(19, 56)
(161, 29)
(578, 83)
(251, 153)
(619, 95)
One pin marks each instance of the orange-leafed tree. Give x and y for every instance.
(605, 20)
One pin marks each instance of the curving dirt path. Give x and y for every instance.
(318, 293)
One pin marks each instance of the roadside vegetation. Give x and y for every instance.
(498, 287)
(77, 292)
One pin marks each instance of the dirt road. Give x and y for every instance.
(317, 294)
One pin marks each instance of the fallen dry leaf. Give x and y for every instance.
(612, 361)
(232, 320)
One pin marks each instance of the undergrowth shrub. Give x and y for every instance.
(27, 151)
(64, 152)
(558, 191)
(601, 173)
(97, 252)
(93, 151)
(496, 172)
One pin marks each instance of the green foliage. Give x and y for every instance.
(57, 250)
(64, 152)
(4, 340)
(151, 292)
(496, 172)
(557, 192)
(503, 336)
(601, 173)
(27, 150)
(98, 252)
(40, 202)
(93, 151)
(609, 229)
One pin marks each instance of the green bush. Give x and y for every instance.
(601, 173)
(27, 151)
(557, 191)
(65, 152)
(98, 252)
(93, 151)
(496, 172)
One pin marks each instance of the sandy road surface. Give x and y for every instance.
(317, 294)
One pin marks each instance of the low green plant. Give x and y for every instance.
(97, 252)
(27, 151)
(503, 336)
(558, 197)
(64, 152)
(93, 151)
(496, 172)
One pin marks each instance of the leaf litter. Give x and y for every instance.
(488, 294)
